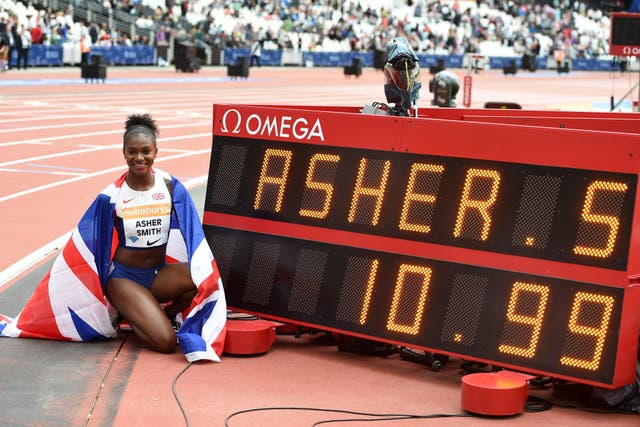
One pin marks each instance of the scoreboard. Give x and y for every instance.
(624, 39)
(511, 245)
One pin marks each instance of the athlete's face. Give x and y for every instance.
(140, 153)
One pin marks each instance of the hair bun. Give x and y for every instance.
(144, 120)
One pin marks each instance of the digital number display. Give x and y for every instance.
(509, 245)
(537, 322)
(561, 214)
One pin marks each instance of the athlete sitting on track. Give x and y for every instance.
(128, 254)
(139, 278)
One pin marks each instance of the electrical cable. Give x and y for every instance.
(533, 404)
(357, 420)
(406, 417)
(374, 417)
(536, 404)
(175, 395)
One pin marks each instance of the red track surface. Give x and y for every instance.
(60, 143)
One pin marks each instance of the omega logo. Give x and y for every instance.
(280, 126)
(628, 50)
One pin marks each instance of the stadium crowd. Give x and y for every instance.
(490, 27)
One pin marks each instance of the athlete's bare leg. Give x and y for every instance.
(143, 312)
(173, 283)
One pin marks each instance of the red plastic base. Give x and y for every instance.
(495, 393)
(249, 336)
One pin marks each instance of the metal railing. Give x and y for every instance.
(91, 11)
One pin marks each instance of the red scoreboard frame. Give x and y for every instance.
(511, 245)
(624, 39)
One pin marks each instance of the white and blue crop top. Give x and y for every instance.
(143, 218)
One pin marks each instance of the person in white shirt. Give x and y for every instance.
(25, 45)
(256, 53)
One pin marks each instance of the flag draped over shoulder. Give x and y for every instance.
(69, 303)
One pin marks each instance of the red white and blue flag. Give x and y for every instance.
(69, 303)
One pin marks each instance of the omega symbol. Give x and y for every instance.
(236, 129)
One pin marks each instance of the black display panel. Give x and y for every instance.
(625, 30)
(535, 322)
(563, 214)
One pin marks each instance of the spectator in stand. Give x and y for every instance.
(4, 25)
(123, 39)
(35, 26)
(162, 46)
(55, 38)
(256, 53)
(23, 39)
(431, 27)
(4, 20)
(144, 22)
(4, 52)
(124, 5)
(36, 34)
(85, 49)
(162, 36)
(25, 45)
(94, 32)
(11, 30)
(104, 38)
(157, 14)
(68, 16)
(64, 33)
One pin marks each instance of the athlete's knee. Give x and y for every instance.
(164, 343)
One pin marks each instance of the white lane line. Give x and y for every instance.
(106, 132)
(43, 166)
(25, 263)
(39, 254)
(37, 142)
(63, 154)
(19, 117)
(95, 148)
(41, 172)
(91, 175)
(59, 126)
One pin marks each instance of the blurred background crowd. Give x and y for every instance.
(491, 27)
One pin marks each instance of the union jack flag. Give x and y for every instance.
(69, 303)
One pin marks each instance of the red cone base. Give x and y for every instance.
(495, 393)
(249, 336)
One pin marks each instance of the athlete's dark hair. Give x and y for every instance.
(140, 123)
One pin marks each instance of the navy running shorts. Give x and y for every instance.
(142, 276)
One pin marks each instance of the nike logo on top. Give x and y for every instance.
(124, 202)
(149, 243)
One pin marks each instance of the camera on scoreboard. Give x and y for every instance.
(444, 86)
